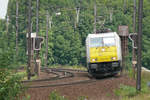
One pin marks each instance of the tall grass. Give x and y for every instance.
(10, 85)
(130, 93)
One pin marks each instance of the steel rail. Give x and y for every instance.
(65, 69)
(64, 84)
(69, 83)
(53, 71)
(91, 80)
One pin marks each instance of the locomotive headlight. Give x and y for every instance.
(93, 59)
(103, 49)
(113, 58)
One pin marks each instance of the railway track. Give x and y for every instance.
(64, 69)
(64, 84)
(60, 74)
(67, 74)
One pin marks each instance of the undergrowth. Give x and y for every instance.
(10, 85)
(129, 92)
(125, 90)
(55, 96)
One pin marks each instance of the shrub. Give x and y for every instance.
(10, 85)
(125, 90)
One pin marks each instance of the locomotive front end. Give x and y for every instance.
(103, 53)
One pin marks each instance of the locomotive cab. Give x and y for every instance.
(103, 54)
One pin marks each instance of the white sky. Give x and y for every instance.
(3, 8)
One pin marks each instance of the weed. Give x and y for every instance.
(82, 98)
(55, 96)
(26, 97)
(125, 90)
(10, 85)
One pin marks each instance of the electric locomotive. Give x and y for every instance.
(103, 52)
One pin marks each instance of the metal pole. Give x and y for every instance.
(17, 27)
(77, 17)
(134, 17)
(29, 40)
(78, 12)
(47, 27)
(140, 15)
(95, 15)
(37, 33)
(111, 15)
(7, 29)
(125, 5)
(37, 17)
(134, 38)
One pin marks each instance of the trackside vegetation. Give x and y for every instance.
(130, 93)
(55, 96)
(10, 85)
(66, 44)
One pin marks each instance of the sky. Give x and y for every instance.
(3, 8)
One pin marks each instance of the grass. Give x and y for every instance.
(24, 75)
(56, 96)
(125, 90)
(129, 93)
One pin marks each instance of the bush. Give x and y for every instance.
(10, 85)
(126, 91)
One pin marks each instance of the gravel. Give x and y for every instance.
(102, 89)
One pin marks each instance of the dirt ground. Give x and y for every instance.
(102, 89)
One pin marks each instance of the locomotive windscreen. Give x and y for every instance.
(96, 42)
(109, 41)
(102, 41)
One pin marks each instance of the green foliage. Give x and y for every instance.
(10, 85)
(125, 90)
(67, 44)
(82, 98)
(26, 97)
(55, 96)
(144, 80)
(7, 53)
